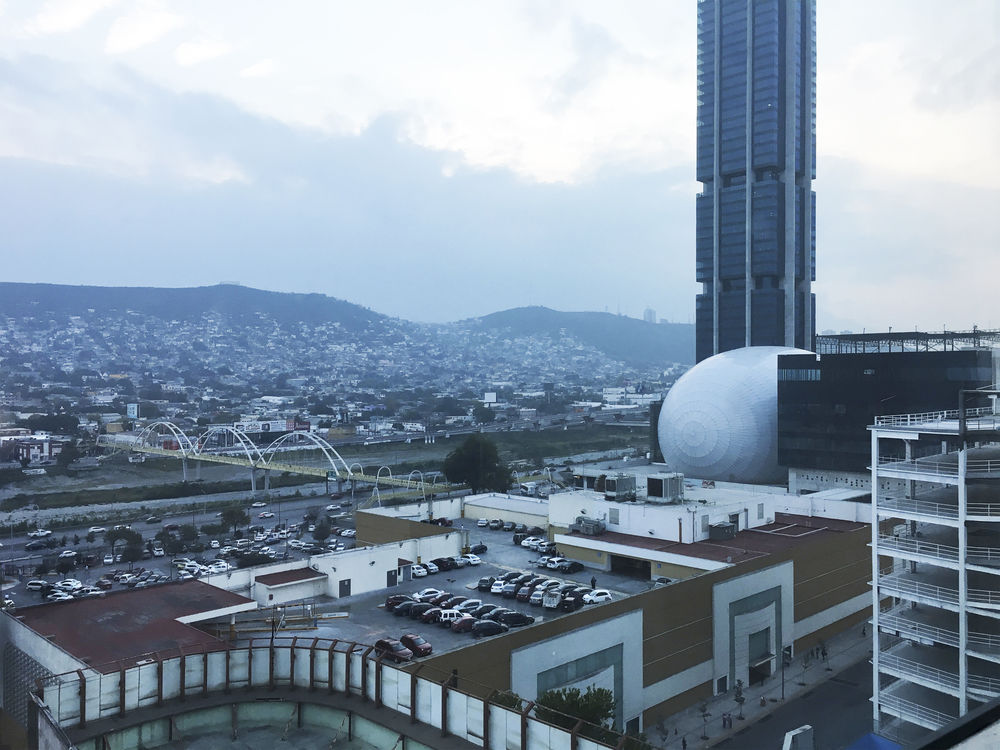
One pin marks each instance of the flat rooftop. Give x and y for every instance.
(289, 576)
(117, 630)
(787, 531)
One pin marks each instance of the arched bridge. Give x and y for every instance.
(223, 444)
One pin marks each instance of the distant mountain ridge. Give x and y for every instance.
(620, 338)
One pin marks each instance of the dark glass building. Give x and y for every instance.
(755, 225)
(826, 402)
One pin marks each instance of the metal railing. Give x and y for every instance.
(919, 547)
(910, 629)
(930, 417)
(984, 596)
(905, 587)
(924, 507)
(945, 468)
(910, 710)
(916, 670)
(984, 641)
(984, 684)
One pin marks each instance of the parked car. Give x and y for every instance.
(519, 537)
(453, 602)
(497, 587)
(349, 533)
(396, 599)
(418, 571)
(542, 562)
(444, 596)
(109, 559)
(36, 585)
(495, 614)
(428, 566)
(469, 604)
(485, 628)
(103, 583)
(416, 644)
(59, 596)
(464, 624)
(510, 575)
(448, 616)
(425, 595)
(444, 563)
(418, 609)
(485, 609)
(482, 523)
(35, 544)
(471, 559)
(569, 566)
(570, 603)
(508, 526)
(546, 584)
(597, 596)
(515, 619)
(496, 524)
(478, 549)
(554, 562)
(485, 583)
(530, 542)
(547, 547)
(403, 608)
(39, 533)
(390, 648)
(536, 598)
(431, 615)
(509, 590)
(460, 562)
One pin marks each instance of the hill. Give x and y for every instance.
(626, 339)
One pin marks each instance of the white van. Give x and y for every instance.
(448, 616)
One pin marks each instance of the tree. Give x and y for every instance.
(483, 414)
(235, 516)
(477, 463)
(322, 530)
(566, 706)
(508, 699)
(64, 565)
(68, 454)
(188, 532)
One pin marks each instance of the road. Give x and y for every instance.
(839, 711)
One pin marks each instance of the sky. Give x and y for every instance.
(443, 160)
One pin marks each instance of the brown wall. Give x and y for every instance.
(831, 570)
(376, 529)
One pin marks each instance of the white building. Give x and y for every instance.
(936, 564)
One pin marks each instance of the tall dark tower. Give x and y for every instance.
(755, 229)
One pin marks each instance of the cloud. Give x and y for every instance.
(259, 69)
(62, 16)
(199, 51)
(140, 28)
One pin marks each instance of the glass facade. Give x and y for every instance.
(755, 217)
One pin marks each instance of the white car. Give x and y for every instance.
(497, 587)
(349, 533)
(482, 523)
(67, 554)
(59, 596)
(471, 559)
(96, 530)
(36, 585)
(332, 506)
(431, 567)
(553, 563)
(214, 544)
(265, 514)
(258, 504)
(418, 571)
(68, 584)
(158, 552)
(39, 533)
(531, 542)
(109, 559)
(296, 544)
(546, 584)
(426, 594)
(596, 596)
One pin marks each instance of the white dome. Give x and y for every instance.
(720, 420)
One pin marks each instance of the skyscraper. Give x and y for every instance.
(755, 226)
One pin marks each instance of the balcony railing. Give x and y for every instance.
(983, 555)
(984, 642)
(984, 596)
(910, 420)
(906, 505)
(919, 547)
(910, 629)
(916, 670)
(984, 684)
(908, 588)
(914, 711)
(940, 467)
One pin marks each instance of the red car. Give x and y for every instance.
(416, 644)
(395, 600)
(464, 624)
(390, 648)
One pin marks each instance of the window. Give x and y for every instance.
(613, 515)
(704, 523)
(760, 511)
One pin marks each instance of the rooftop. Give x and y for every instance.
(118, 629)
(289, 576)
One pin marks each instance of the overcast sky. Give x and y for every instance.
(442, 160)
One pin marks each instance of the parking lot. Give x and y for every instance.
(367, 620)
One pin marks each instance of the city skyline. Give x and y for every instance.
(488, 158)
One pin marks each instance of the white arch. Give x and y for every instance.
(244, 442)
(183, 440)
(322, 444)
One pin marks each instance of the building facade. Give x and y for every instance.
(756, 155)
(936, 566)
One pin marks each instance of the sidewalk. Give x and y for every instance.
(843, 650)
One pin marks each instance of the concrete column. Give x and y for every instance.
(875, 581)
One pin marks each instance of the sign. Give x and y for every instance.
(132, 411)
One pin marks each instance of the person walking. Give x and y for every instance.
(593, 582)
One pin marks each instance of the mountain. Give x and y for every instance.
(239, 303)
(213, 318)
(626, 339)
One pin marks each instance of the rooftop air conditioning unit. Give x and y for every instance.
(588, 526)
(721, 531)
(665, 488)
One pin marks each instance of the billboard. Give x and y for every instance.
(132, 411)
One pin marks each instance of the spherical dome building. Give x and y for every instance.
(720, 419)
